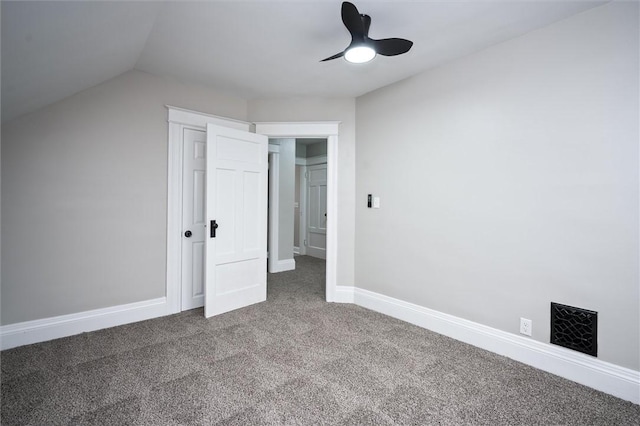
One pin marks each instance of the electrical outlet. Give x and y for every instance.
(525, 326)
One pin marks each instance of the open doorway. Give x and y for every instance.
(297, 236)
(326, 131)
(297, 201)
(310, 203)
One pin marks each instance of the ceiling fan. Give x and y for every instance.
(362, 48)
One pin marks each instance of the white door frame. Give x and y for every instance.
(180, 119)
(318, 129)
(274, 207)
(274, 264)
(302, 206)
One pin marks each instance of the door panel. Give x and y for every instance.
(193, 218)
(225, 193)
(236, 276)
(236, 259)
(197, 286)
(251, 217)
(317, 211)
(234, 149)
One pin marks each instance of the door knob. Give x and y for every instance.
(188, 234)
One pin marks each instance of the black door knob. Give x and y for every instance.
(214, 226)
(188, 234)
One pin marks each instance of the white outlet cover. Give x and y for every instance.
(526, 326)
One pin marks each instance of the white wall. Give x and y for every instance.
(84, 188)
(316, 109)
(509, 179)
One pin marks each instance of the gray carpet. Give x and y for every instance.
(291, 360)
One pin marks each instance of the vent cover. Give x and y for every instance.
(574, 328)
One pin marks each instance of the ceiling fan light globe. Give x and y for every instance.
(359, 54)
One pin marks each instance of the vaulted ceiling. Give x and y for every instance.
(252, 49)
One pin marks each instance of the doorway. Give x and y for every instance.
(310, 206)
(180, 119)
(327, 130)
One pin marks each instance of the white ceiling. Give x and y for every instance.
(252, 49)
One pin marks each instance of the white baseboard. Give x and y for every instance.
(615, 380)
(296, 250)
(343, 294)
(28, 332)
(317, 252)
(284, 265)
(584, 369)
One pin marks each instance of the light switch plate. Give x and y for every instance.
(376, 202)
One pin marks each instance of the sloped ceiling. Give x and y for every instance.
(251, 49)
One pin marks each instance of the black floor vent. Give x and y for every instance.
(574, 328)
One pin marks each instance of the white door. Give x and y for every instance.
(193, 219)
(236, 213)
(317, 211)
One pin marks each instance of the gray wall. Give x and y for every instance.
(84, 188)
(306, 148)
(509, 179)
(317, 109)
(316, 149)
(301, 150)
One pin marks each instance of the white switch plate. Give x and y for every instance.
(376, 202)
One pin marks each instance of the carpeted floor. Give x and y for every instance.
(291, 360)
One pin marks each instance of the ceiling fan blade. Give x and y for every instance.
(391, 46)
(358, 26)
(366, 23)
(336, 56)
(352, 20)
